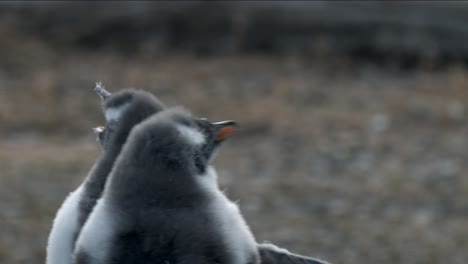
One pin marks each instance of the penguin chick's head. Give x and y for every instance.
(176, 140)
(123, 110)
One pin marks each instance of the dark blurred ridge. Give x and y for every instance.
(405, 31)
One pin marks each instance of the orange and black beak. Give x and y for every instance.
(224, 129)
(98, 130)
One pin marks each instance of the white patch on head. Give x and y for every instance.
(97, 233)
(191, 135)
(114, 113)
(237, 235)
(60, 244)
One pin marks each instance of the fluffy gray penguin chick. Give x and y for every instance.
(162, 203)
(269, 253)
(123, 110)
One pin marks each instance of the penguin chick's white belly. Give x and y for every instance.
(95, 238)
(60, 244)
(238, 237)
(227, 216)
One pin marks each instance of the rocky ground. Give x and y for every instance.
(352, 163)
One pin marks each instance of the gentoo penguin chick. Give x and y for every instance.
(269, 253)
(162, 203)
(122, 110)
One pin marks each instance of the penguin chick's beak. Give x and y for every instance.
(101, 91)
(224, 130)
(98, 130)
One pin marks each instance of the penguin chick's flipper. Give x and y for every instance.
(271, 254)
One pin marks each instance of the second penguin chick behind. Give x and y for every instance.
(162, 203)
(123, 110)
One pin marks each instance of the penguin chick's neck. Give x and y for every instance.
(164, 190)
(117, 136)
(160, 182)
(95, 182)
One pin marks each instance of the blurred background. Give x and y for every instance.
(353, 139)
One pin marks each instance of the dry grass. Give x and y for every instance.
(350, 163)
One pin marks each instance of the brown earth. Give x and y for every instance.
(348, 162)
